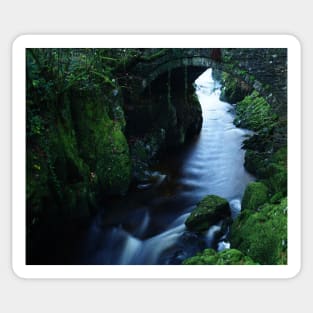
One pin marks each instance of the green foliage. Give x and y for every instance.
(271, 167)
(262, 235)
(261, 229)
(226, 257)
(113, 166)
(255, 195)
(253, 112)
(255, 162)
(277, 172)
(76, 149)
(233, 89)
(209, 210)
(155, 55)
(35, 125)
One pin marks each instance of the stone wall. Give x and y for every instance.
(264, 69)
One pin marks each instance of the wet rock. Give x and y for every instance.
(188, 245)
(209, 211)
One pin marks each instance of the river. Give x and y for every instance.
(147, 227)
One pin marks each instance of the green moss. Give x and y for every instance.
(276, 172)
(277, 197)
(253, 112)
(255, 163)
(102, 144)
(233, 89)
(37, 181)
(112, 161)
(76, 148)
(262, 235)
(208, 211)
(226, 257)
(255, 195)
(151, 57)
(271, 168)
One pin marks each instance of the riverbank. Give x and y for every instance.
(260, 231)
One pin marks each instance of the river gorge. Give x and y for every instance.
(144, 220)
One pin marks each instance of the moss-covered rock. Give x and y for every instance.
(255, 163)
(209, 210)
(270, 167)
(253, 112)
(57, 175)
(102, 143)
(226, 257)
(113, 166)
(233, 89)
(262, 235)
(276, 172)
(78, 155)
(256, 194)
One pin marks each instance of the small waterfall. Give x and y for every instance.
(223, 245)
(153, 248)
(131, 247)
(179, 221)
(211, 233)
(235, 207)
(143, 225)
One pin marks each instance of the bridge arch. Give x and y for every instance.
(264, 70)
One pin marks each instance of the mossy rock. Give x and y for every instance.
(209, 210)
(272, 168)
(113, 165)
(102, 144)
(276, 172)
(253, 112)
(234, 89)
(255, 163)
(226, 257)
(262, 235)
(276, 198)
(255, 195)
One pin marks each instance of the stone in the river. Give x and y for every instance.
(209, 211)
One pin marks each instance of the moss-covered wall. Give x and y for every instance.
(77, 152)
(79, 155)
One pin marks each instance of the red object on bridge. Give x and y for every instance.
(216, 55)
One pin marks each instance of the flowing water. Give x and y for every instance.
(147, 226)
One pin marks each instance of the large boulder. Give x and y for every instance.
(209, 211)
(255, 195)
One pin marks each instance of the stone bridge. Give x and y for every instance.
(263, 69)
